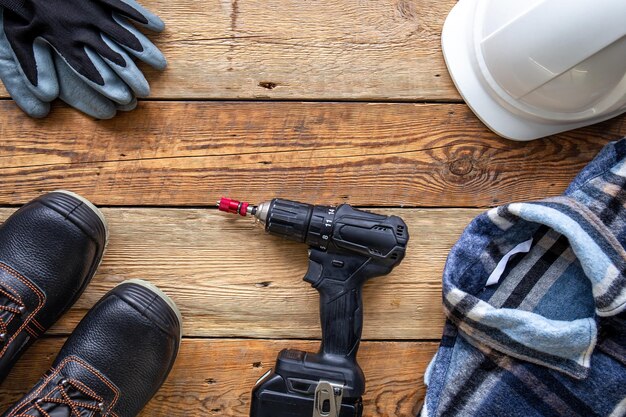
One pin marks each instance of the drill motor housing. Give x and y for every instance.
(347, 248)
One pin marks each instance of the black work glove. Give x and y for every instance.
(68, 47)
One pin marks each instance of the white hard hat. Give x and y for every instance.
(532, 68)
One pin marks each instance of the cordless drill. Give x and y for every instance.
(347, 248)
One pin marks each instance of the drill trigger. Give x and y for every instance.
(314, 274)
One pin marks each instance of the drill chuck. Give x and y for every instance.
(304, 223)
(288, 219)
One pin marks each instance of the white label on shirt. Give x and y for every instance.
(495, 276)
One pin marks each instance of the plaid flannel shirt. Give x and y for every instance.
(535, 295)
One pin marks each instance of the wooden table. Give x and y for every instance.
(326, 101)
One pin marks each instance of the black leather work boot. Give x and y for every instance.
(49, 251)
(114, 362)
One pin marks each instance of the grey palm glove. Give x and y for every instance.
(16, 83)
(70, 88)
(89, 66)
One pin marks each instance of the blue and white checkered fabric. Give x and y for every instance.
(549, 338)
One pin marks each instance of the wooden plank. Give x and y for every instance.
(232, 280)
(367, 154)
(298, 49)
(215, 377)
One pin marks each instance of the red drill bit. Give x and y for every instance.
(229, 205)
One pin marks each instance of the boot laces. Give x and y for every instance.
(92, 401)
(17, 308)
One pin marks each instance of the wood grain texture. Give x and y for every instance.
(231, 280)
(215, 377)
(299, 49)
(180, 154)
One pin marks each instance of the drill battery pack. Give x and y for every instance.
(294, 388)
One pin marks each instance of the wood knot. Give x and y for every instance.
(268, 85)
(407, 10)
(461, 166)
